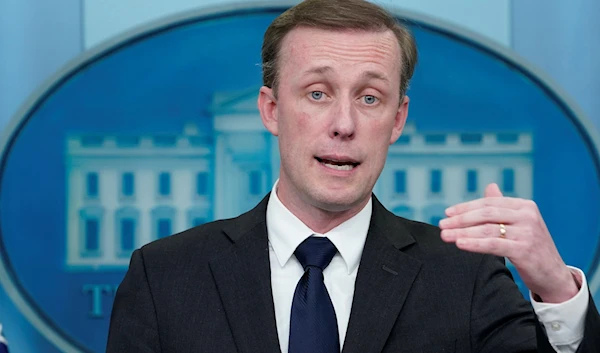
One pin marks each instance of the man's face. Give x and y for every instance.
(336, 112)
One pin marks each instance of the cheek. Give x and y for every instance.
(379, 142)
(296, 132)
(298, 124)
(303, 121)
(380, 132)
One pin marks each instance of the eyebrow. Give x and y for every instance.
(366, 75)
(374, 75)
(318, 70)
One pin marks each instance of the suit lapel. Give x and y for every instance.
(243, 279)
(385, 277)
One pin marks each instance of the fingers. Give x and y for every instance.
(480, 216)
(489, 230)
(492, 190)
(494, 246)
(475, 226)
(502, 202)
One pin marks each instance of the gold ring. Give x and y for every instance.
(502, 231)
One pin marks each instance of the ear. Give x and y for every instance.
(267, 105)
(400, 120)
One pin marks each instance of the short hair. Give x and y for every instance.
(336, 15)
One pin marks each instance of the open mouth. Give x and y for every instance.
(338, 164)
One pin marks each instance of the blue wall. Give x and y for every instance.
(36, 39)
(562, 38)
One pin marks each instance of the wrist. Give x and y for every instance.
(570, 288)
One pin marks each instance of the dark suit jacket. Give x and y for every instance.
(208, 289)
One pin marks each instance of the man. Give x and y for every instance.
(320, 265)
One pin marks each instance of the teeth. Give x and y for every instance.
(339, 167)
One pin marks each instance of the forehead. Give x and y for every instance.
(343, 49)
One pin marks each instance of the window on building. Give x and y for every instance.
(400, 182)
(471, 138)
(164, 227)
(435, 139)
(255, 177)
(202, 184)
(92, 235)
(507, 138)
(435, 220)
(163, 221)
(508, 180)
(198, 215)
(128, 141)
(198, 221)
(126, 220)
(403, 140)
(435, 181)
(200, 141)
(165, 140)
(471, 180)
(128, 184)
(92, 141)
(90, 231)
(127, 234)
(404, 211)
(433, 213)
(164, 184)
(91, 182)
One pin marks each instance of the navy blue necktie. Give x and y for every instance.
(313, 325)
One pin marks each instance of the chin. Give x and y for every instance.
(333, 201)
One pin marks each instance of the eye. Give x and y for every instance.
(316, 95)
(370, 99)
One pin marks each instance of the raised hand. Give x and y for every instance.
(515, 229)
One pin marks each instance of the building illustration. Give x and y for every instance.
(125, 190)
(426, 173)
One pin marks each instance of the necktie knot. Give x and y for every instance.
(315, 252)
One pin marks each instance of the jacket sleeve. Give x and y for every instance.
(591, 335)
(133, 323)
(503, 321)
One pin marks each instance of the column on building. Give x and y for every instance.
(243, 154)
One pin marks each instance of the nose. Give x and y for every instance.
(343, 121)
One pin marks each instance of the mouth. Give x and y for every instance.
(344, 164)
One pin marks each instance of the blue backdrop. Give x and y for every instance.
(157, 82)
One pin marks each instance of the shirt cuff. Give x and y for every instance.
(564, 322)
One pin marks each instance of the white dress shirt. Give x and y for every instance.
(564, 322)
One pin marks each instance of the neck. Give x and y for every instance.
(319, 219)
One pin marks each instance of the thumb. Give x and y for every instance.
(492, 190)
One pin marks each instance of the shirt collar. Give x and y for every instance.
(286, 232)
